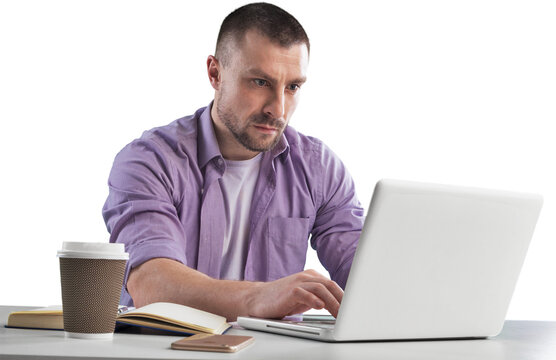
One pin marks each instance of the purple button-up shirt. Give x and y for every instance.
(165, 201)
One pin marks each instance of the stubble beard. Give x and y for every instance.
(240, 133)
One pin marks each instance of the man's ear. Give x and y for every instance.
(213, 71)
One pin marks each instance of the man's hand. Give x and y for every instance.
(294, 294)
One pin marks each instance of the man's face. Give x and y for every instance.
(259, 90)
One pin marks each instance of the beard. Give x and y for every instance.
(263, 142)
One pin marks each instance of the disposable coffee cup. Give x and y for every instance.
(92, 275)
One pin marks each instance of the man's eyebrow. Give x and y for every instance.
(262, 74)
(300, 80)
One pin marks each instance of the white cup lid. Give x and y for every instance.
(93, 250)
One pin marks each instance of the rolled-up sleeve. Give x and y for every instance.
(140, 210)
(339, 218)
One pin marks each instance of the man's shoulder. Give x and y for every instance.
(306, 145)
(311, 151)
(301, 142)
(176, 138)
(176, 131)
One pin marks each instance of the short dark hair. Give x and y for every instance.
(269, 20)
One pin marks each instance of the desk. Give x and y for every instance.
(530, 340)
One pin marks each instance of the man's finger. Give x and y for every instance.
(334, 289)
(321, 292)
(308, 298)
(332, 286)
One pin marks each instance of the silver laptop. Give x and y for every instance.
(433, 261)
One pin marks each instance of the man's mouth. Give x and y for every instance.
(266, 129)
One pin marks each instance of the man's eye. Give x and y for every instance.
(293, 87)
(260, 82)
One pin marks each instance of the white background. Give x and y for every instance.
(459, 92)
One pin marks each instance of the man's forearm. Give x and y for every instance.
(170, 281)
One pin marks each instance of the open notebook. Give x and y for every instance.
(168, 317)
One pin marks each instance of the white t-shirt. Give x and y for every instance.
(238, 185)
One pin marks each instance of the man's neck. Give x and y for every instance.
(230, 148)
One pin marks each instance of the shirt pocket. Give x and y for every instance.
(287, 246)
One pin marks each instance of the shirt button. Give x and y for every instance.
(220, 162)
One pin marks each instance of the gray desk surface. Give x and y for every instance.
(529, 340)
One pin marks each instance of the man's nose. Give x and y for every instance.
(276, 105)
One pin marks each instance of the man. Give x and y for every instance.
(216, 208)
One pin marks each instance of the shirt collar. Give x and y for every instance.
(207, 145)
(281, 149)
